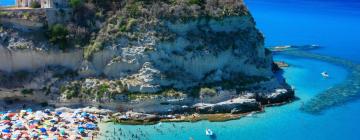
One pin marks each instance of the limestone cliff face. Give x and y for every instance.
(12, 61)
(162, 51)
(181, 45)
(200, 51)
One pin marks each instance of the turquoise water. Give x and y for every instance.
(7, 2)
(332, 24)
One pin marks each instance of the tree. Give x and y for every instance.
(58, 34)
(35, 4)
(75, 3)
(207, 92)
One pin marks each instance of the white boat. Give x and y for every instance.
(325, 74)
(209, 132)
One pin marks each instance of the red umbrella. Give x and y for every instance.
(11, 114)
(32, 126)
(6, 121)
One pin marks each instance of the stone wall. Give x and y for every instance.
(31, 60)
(33, 19)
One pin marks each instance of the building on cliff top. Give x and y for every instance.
(43, 3)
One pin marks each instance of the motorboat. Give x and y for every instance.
(209, 132)
(325, 74)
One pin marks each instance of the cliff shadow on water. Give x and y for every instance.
(342, 93)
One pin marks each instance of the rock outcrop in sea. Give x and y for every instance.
(149, 56)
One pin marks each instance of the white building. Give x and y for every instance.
(43, 3)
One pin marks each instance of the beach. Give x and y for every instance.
(59, 124)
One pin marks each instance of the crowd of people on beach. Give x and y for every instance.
(54, 125)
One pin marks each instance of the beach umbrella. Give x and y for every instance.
(53, 129)
(53, 121)
(77, 111)
(47, 111)
(34, 134)
(6, 136)
(43, 130)
(90, 126)
(11, 115)
(38, 113)
(81, 130)
(29, 110)
(62, 132)
(58, 113)
(44, 137)
(14, 136)
(6, 131)
(32, 126)
(5, 117)
(92, 116)
(6, 121)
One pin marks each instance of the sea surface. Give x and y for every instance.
(7, 2)
(333, 24)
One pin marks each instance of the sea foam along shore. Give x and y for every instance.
(61, 123)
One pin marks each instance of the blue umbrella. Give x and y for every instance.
(43, 130)
(58, 113)
(84, 114)
(53, 121)
(53, 129)
(90, 126)
(81, 130)
(6, 131)
(19, 124)
(29, 110)
(47, 111)
(92, 116)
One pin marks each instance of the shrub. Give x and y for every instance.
(58, 34)
(89, 51)
(44, 104)
(133, 10)
(27, 91)
(207, 92)
(22, 74)
(126, 25)
(35, 4)
(4, 13)
(75, 3)
(198, 2)
(102, 90)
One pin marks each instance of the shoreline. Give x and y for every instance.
(194, 117)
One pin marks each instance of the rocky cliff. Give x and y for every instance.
(193, 48)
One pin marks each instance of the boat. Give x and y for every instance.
(325, 74)
(209, 132)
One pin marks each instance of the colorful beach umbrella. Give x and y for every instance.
(43, 130)
(90, 126)
(6, 131)
(81, 130)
